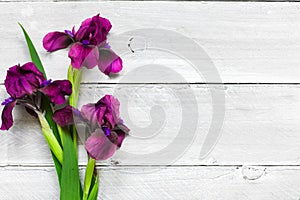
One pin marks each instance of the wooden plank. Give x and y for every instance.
(247, 42)
(151, 0)
(177, 183)
(261, 126)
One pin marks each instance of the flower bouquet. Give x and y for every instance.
(54, 104)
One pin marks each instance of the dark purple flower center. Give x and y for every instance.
(7, 101)
(46, 82)
(107, 131)
(69, 33)
(85, 42)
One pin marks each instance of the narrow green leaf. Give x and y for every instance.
(46, 104)
(94, 192)
(70, 182)
(37, 61)
(89, 172)
(33, 53)
(57, 166)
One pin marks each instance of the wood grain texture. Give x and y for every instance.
(150, 0)
(257, 155)
(177, 183)
(261, 126)
(247, 42)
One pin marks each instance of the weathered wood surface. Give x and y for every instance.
(247, 42)
(261, 125)
(169, 183)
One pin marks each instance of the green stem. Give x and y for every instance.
(74, 76)
(50, 138)
(90, 184)
(88, 177)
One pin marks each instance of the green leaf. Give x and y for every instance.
(57, 166)
(70, 182)
(89, 172)
(33, 53)
(94, 192)
(74, 76)
(46, 103)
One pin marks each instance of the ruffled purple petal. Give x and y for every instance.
(7, 118)
(56, 40)
(23, 80)
(112, 113)
(121, 136)
(57, 90)
(84, 30)
(106, 25)
(121, 131)
(94, 30)
(104, 112)
(83, 55)
(109, 62)
(122, 127)
(99, 146)
(93, 114)
(102, 27)
(65, 116)
(30, 68)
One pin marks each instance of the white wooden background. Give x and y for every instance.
(255, 46)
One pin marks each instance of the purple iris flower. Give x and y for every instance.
(111, 132)
(104, 123)
(103, 113)
(88, 45)
(26, 85)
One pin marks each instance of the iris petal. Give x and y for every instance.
(112, 114)
(64, 116)
(57, 90)
(56, 40)
(104, 112)
(23, 80)
(99, 146)
(109, 61)
(7, 118)
(94, 30)
(93, 113)
(83, 55)
(121, 136)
